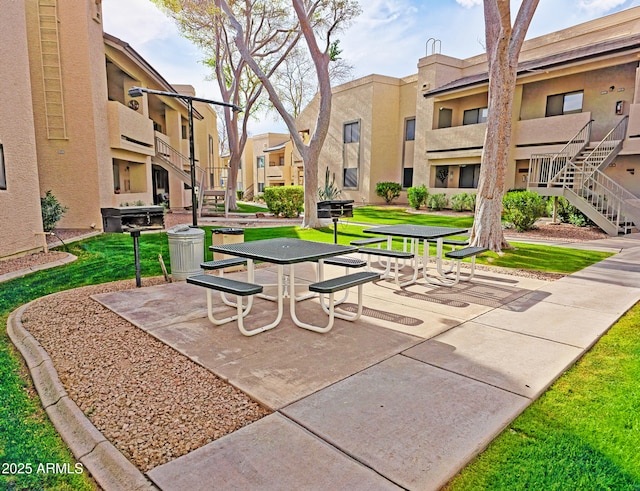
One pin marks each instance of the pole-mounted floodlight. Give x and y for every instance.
(138, 91)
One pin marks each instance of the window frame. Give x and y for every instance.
(410, 135)
(549, 112)
(481, 115)
(347, 132)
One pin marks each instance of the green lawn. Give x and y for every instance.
(582, 434)
(26, 436)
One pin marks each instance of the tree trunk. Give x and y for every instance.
(503, 49)
(487, 228)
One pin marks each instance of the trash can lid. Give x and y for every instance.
(229, 231)
(185, 230)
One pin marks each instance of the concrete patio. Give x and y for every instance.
(403, 398)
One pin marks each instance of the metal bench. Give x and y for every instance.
(240, 289)
(223, 263)
(369, 241)
(389, 254)
(451, 242)
(330, 287)
(458, 255)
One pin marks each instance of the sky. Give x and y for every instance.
(388, 38)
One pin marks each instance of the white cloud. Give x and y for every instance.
(598, 7)
(139, 19)
(469, 3)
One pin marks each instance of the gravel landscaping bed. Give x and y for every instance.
(153, 403)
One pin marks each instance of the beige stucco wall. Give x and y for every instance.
(20, 218)
(77, 169)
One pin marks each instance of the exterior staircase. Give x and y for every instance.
(576, 173)
(174, 162)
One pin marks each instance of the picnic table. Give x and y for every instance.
(417, 233)
(289, 251)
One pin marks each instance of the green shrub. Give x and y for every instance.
(388, 191)
(463, 202)
(437, 201)
(567, 213)
(522, 208)
(417, 196)
(286, 201)
(52, 211)
(239, 194)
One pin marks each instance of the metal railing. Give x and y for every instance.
(176, 161)
(609, 144)
(601, 192)
(544, 167)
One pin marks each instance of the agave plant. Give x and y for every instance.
(329, 191)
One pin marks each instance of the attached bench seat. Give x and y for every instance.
(347, 262)
(386, 253)
(240, 289)
(389, 254)
(369, 241)
(223, 263)
(458, 255)
(451, 242)
(333, 285)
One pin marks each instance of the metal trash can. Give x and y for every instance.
(224, 236)
(186, 250)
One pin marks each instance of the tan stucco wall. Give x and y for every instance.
(20, 217)
(74, 168)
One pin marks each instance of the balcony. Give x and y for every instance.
(129, 130)
(274, 172)
(457, 141)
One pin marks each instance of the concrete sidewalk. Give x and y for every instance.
(403, 398)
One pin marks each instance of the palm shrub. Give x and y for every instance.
(463, 201)
(417, 196)
(388, 191)
(521, 209)
(52, 211)
(286, 201)
(437, 201)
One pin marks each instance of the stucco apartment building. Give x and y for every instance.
(577, 98)
(68, 124)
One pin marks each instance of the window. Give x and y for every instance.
(568, 103)
(184, 132)
(410, 129)
(3, 175)
(260, 162)
(475, 116)
(352, 132)
(469, 176)
(350, 178)
(351, 154)
(261, 187)
(407, 177)
(445, 117)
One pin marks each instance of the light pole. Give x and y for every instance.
(138, 91)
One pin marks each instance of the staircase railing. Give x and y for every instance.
(544, 167)
(601, 192)
(609, 144)
(176, 160)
